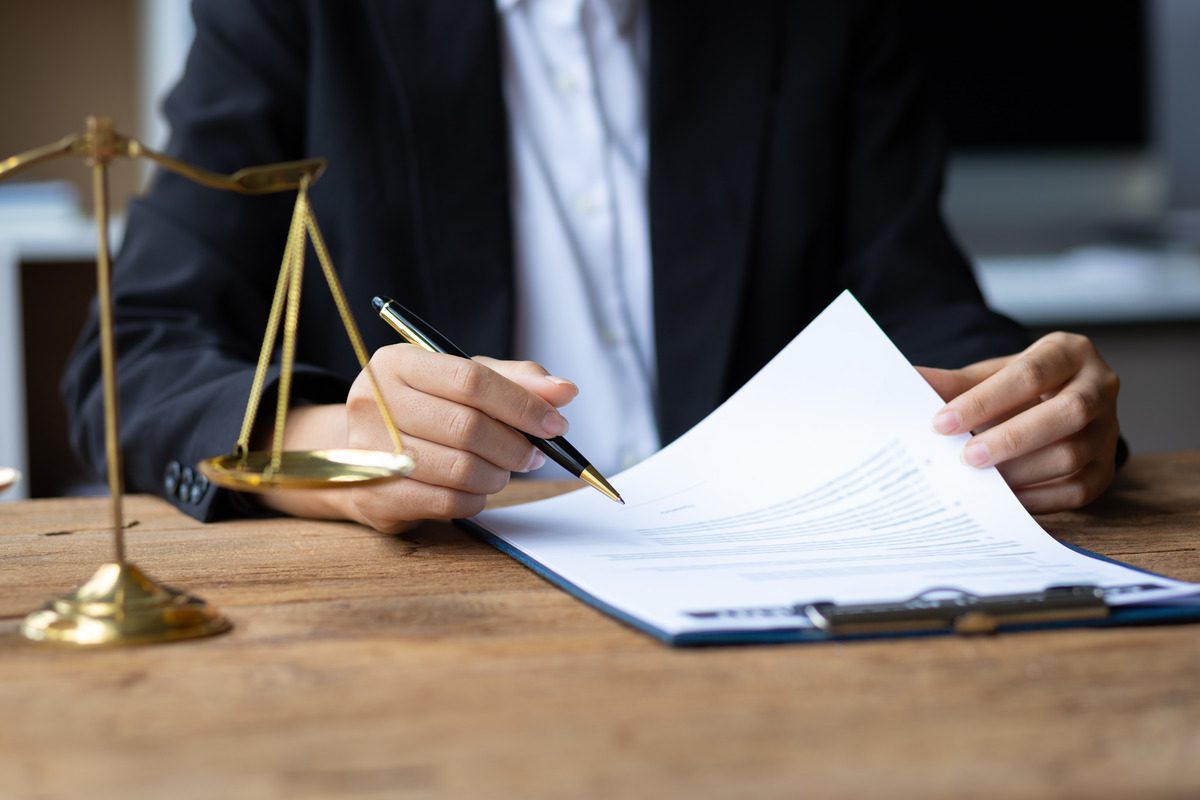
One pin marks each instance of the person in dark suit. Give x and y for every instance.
(786, 153)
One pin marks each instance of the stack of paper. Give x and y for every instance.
(820, 480)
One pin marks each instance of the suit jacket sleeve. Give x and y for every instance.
(195, 275)
(901, 261)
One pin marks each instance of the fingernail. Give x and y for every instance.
(536, 459)
(563, 382)
(946, 421)
(555, 423)
(976, 455)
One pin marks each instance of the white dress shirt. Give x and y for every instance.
(574, 82)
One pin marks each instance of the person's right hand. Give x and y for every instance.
(457, 417)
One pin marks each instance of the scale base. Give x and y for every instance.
(122, 605)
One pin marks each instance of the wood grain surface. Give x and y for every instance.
(429, 665)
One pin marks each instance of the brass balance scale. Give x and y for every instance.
(120, 604)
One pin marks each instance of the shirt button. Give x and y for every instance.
(629, 458)
(609, 335)
(590, 203)
(566, 82)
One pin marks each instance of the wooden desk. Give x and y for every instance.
(427, 664)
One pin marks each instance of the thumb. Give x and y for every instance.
(534, 377)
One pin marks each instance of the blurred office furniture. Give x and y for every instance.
(64, 60)
(117, 58)
(47, 265)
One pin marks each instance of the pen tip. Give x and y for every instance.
(377, 303)
(597, 481)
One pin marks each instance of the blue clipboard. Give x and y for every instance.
(1057, 608)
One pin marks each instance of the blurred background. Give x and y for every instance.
(1074, 183)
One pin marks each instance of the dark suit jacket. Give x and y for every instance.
(791, 156)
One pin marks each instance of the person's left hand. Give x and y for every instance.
(1046, 418)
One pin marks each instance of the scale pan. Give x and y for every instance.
(306, 469)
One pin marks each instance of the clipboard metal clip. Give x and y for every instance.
(943, 609)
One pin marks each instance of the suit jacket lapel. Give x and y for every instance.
(443, 60)
(709, 89)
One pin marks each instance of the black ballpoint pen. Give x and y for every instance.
(417, 331)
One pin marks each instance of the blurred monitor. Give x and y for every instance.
(1070, 122)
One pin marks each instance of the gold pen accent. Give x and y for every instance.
(597, 481)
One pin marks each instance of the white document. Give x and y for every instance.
(820, 480)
